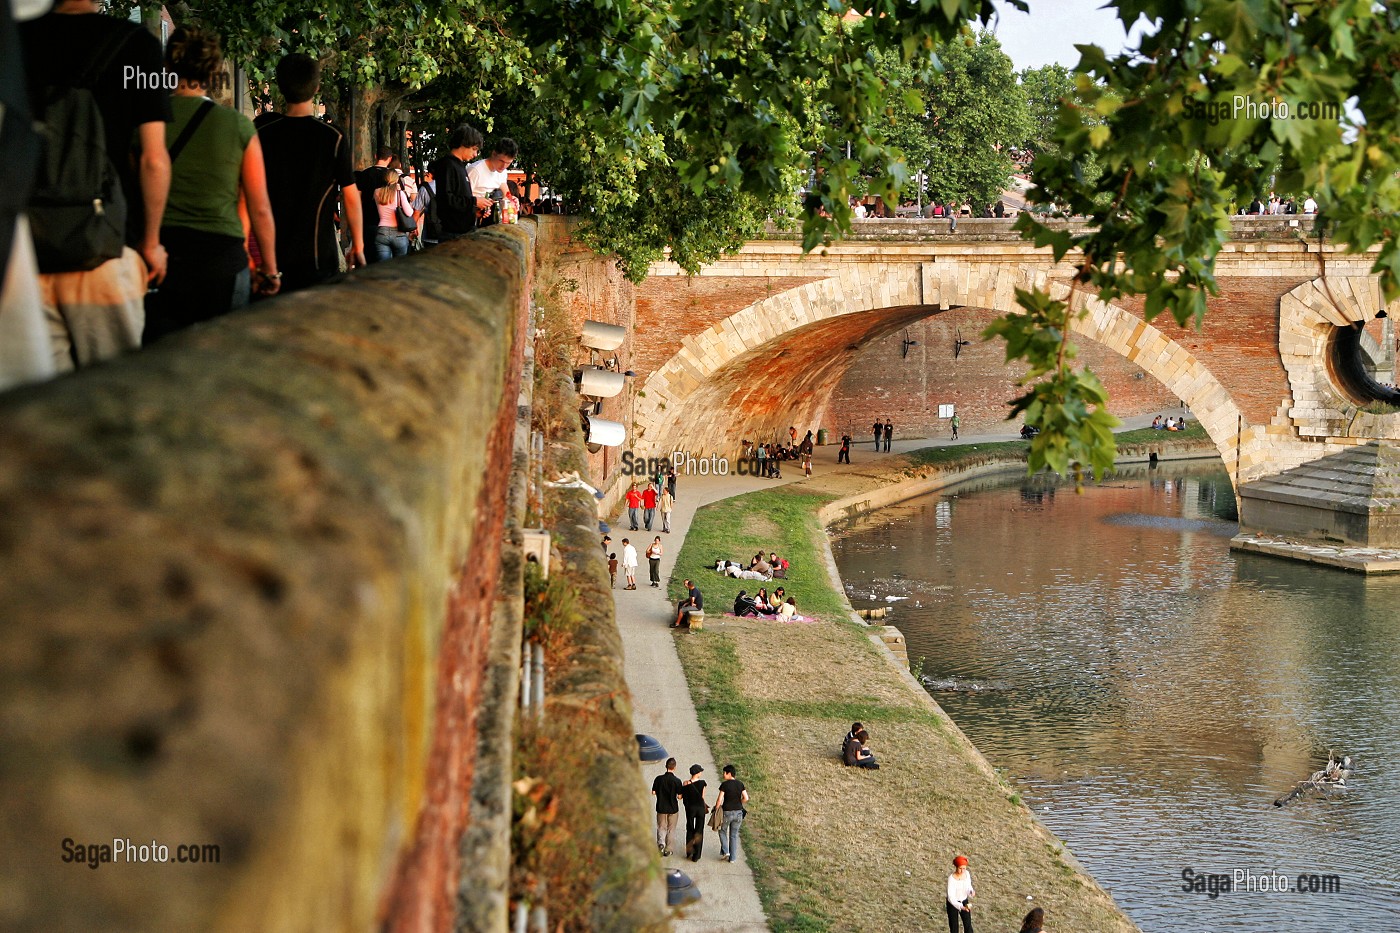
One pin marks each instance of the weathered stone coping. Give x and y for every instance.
(246, 599)
(1356, 559)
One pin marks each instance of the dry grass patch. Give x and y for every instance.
(820, 662)
(834, 848)
(888, 837)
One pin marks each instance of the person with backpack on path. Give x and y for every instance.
(96, 210)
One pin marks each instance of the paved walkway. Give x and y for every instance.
(661, 703)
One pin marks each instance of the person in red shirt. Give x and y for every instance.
(634, 502)
(649, 505)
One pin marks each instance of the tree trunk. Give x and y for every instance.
(361, 110)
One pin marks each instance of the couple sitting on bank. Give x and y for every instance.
(780, 605)
(1178, 425)
(855, 749)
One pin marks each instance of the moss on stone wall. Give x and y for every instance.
(248, 578)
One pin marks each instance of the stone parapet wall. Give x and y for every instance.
(248, 582)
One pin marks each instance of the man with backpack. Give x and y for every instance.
(94, 86)
(308, 163)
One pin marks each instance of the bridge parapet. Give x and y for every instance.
(249, 576)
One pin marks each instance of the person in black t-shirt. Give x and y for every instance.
(693, 796)
(368, 181)
(693, 602)
(453, 209)
(667, 791)
(307, 160)
(102, 310)
(732, 797)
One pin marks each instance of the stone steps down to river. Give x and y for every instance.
(1348, 497)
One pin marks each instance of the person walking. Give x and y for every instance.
(216, 172)
(629, 564)
(889, 434)
(693, 796)
(732, 797)
(956, 422)
(654, 559)
(667, 505)
(671, 481)
(879, 429)
(634, 502)
(667, 791)
(844, 454)
(960, 894)
(649, 506)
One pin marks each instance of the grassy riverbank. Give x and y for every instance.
(836, 848)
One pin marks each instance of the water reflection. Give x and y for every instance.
(1153, 693)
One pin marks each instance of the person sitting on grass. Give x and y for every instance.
(858, 752)
(761, 604)
(779, 597)
(744, 605)
(787, 612)
(846, 742)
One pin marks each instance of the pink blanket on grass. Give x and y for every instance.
(805, 620)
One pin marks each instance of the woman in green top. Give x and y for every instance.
(216, 174)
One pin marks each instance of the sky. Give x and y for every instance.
(1050, 31)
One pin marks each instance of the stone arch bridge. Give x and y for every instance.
(766, 338)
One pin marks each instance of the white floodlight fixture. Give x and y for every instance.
(605, 433)
(599, 336)
(599, 383)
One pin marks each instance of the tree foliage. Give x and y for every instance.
(1175, 151)
(682, 123)
(976, 115)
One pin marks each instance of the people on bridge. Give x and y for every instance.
(308, 171)
(94, 300)
(216, 165)
(489, 179)
(452, 211)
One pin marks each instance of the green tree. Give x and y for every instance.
(976, 115)
(718, 104)
(1172, 166)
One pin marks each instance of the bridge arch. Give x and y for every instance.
(780, 358)
(1310, 319)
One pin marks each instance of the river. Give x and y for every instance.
(1152, 693)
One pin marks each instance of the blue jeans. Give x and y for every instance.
(389, 243)
(729, 833)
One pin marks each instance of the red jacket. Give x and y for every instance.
(649, 498)
(634, 498)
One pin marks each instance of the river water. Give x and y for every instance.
(1152, 693)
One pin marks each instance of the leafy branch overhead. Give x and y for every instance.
(686, 124)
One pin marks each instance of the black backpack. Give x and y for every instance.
(77, 211)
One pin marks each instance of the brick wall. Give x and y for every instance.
(909, 389)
